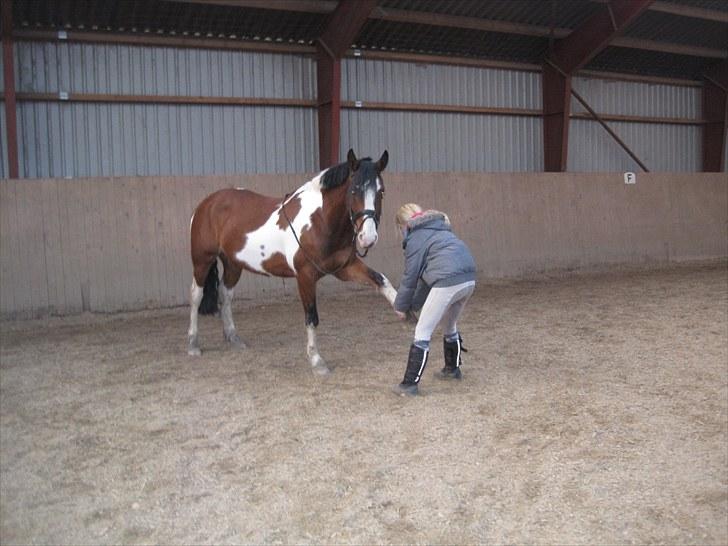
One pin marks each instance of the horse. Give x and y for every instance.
(325, 227)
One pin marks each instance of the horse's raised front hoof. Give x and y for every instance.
(235, 341)
(321, 370)
(318, 365)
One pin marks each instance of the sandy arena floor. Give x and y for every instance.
(594, 409)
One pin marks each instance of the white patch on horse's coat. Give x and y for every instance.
(239, 188)
(270, 239)
(196, 293)
(226, 312)
(312, 348)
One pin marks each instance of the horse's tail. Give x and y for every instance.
(208, 305)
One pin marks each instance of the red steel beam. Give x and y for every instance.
(595, 34)
(568, 55)
(715, 113)
(343, 26)
(11, 120)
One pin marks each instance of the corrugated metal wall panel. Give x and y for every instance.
(421, 141)
(88, 139)
(662, 148)
(59, 139)
(49, 67)
(390, 81)
(100, 139)
(637, 99)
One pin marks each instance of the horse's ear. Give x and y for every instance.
(382, 163)
(353, 161)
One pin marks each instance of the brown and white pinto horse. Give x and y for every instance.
(324, 227)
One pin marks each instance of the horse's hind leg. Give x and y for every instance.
(230, 277)
(202, 270)
(193, 347)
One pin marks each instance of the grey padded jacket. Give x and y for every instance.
(434, 256)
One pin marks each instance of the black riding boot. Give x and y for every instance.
(453, 359)
(416, 363)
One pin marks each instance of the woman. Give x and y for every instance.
(439, 271)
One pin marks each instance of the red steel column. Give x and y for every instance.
(715, 114)
(556, 89)
(343, 26)
(11, 120)
(328, 76)
(569, 54)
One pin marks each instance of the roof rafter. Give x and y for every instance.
(596, 33)
(690, 11)
(327, 6)
(345, 24)
(492, 25)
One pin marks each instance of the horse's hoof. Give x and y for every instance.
(237, 344)
(194, 351)
(321, 369)
(235, 341)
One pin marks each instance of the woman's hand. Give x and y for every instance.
(400, 315)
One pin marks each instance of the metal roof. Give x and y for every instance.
(544, 21)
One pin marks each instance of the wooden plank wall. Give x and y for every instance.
(114, 244)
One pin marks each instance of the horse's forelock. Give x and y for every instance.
(338, 174)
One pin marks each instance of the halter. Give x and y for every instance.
(364, 213)
(353, 217)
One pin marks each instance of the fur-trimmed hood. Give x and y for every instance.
(427, 216)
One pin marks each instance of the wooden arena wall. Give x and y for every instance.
(113, 244)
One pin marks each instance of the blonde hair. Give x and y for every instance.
(405, 213)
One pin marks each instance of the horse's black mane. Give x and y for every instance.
(338, 174)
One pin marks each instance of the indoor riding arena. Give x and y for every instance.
(578, 148)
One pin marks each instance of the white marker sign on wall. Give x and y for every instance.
(630, 178)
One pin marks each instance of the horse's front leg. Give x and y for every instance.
(358, 271)
(307, 291)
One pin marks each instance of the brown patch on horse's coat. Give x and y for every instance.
(277, 265)
(293, 207)
(220, 223)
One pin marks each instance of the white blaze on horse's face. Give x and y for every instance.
(368, 231)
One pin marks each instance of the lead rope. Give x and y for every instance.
(305, 254)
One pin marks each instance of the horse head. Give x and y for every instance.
(366, 191)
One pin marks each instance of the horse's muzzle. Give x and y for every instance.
(365, 242)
